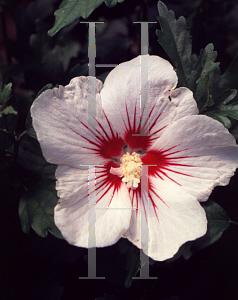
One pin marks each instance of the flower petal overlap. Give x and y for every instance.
(184, 156)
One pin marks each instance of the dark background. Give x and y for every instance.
(48, 268)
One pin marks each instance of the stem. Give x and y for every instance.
(16, 146)
(233, 222)
(15, 153)
(21, 135)
(205, 106)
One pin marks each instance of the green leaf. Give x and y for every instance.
(174, 37)
(184, 251)
(111, 3)
(49, 86)
(71, 10)
(11, 119)
(225, 97)
(31, 159)
(36, 209)
(222, 119)
(220, 111)
(208, 68)
(8, 106)
(8, 110)
(199, 80)
(230, 110)
(218, 222)
(5, 93)
(29, 128)
(31, 132)
(229, 78)
(234, 132)
(24, 215)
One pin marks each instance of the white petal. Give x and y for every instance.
(175, 218)
(60, 118)
(121, 97)
(202, 155)
(122, 87)
(72, 212)
(185, 105)
(180, 103)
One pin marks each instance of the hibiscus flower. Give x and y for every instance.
(181, 159)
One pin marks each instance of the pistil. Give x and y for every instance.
(131, 169)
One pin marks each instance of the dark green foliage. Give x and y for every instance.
(71, 10)
(174, 37)
(30, 158)
(36, 208)
(229, 79)
(218, 222)
(5, 92)
(221, 109)
(199, 80)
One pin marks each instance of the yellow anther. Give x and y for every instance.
(131, 169)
